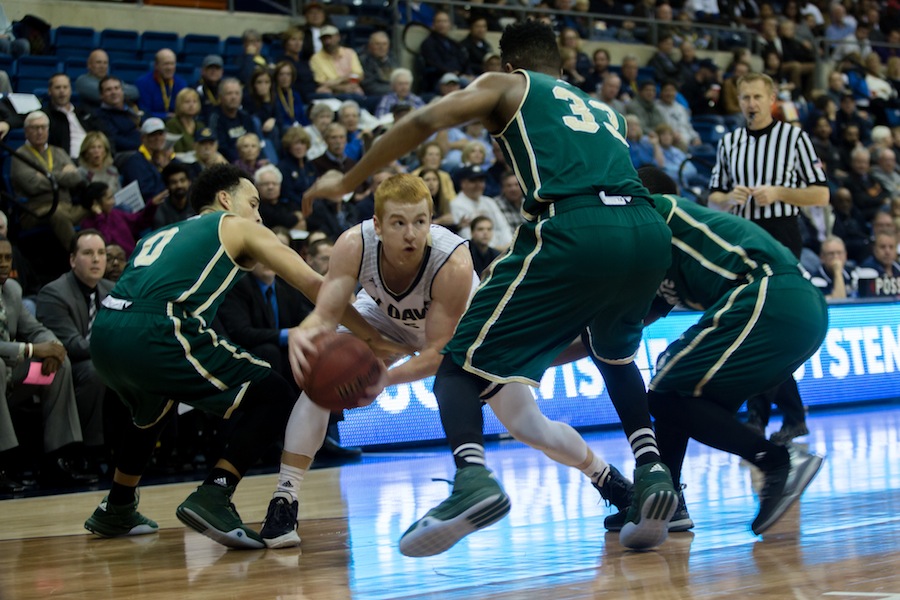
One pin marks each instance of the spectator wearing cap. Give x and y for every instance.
(336, 68)
(316, 19)
(378, 64)
(476, 44)
(33, 184)
(441, 53)
(87, 85)
(401, 92)
(491, 63)
(186, 121)
(644, 106)
(211, 70)
(144, 165)
(117, 121)
(206, 151)
(447, 84)
(159, 87)
(702, 93)
(471, 202)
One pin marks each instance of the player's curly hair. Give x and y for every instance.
(530, 45)
(211, 181)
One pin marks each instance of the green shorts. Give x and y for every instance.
(750, 341)
(582, 265)
(154, 360)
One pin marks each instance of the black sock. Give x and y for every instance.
(121, 495)
(627, 393)
(457, 393)
(221, 478)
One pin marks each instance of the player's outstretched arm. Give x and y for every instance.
(450, 294)
(479, 100)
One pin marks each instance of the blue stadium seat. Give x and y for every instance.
(232, 48)
(35, 68)
(200, 45)
(66, 54)
(120, 41)
(345, 23)
(188, 72)
(74, 37)
(154, 41)
(8, 64)
(129, 70)
(74, 68)
(710, 131)
(30, 85)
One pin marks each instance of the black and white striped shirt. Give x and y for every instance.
(779, 154)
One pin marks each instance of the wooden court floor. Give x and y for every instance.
(841, 541)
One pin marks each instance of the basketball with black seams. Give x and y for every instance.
(339, 375)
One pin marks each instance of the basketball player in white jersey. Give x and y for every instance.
(417, 279)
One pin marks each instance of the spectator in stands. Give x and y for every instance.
(96, 161)
(175, 208)
(68, 123)
(850, 225)
(117, 225)
(23, 339)
(336, 68)
(510, 199)
(22, 271)
(334, 157)
(869, 196)
(186, 121)
(441, 53)
(598, 71)
(879, 275)
(259, 101)
(118, 121)
(332, 216)
(730, 104)
(159, 87)
(322, 116)
(885, 172)
(249, 159)
(447, 84)
(825, 149)
(492, 63)
(297, 170)
(211, 71)
(9, 44)
(431, 156)
(401, 82)
(67, 307)
(644, 149)
(895, 213)
(87, 86)
(229, 122)
(609, 92)
(663, 61)
(836, 280)
(673, 156)
(837, 86)
(33, 184)
(688, 63)
(206, 151)
(644, 106)
(471, 202)
(316, 20)
(629, 75)
(857, 43)
(115, 262)
(357, 139)
(440, 199)
(304, 81)
(702, 92)
(480, 245)
(145, 164)
(252, 58)
(677, 115)
(798, 58)
(850, 141)
(476, 44)
(274, 211)
(455, 139)
(378, 64)
(289, 110)
(570, 74)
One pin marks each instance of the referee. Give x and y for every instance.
(765, 172)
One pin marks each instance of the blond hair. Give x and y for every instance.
(89, 140)
(751, 77)
(404, 189)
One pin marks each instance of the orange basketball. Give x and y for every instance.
(339, 375)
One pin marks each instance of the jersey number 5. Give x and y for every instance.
(582, 118)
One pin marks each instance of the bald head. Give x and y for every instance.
(98, 64)
(165, 63)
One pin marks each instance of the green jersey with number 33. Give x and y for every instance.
(185, 264)
(563, 143)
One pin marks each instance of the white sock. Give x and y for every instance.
(289, 479)
(596, 469)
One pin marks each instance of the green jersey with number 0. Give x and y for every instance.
(184, 263)
(587, 157)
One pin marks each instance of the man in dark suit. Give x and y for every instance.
(23, 338)
(67, 306)
(68, 123)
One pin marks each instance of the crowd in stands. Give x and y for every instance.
(123, 151)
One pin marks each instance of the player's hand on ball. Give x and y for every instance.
(302, 350)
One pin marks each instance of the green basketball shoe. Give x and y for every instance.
(112, 520)
(655, 500)
(209, 511)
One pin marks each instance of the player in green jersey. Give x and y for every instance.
(750, 338)
(590, 255)
(151, 343)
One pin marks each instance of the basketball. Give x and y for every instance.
(340, 374)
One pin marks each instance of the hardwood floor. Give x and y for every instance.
(842, 539)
